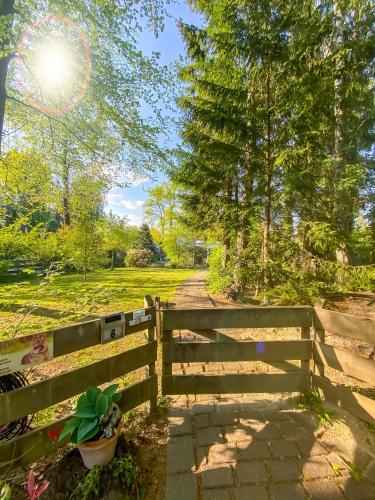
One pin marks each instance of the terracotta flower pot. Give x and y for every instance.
(98, 452)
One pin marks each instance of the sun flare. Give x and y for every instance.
(53, 66)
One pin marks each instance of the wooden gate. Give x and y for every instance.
(295, 378)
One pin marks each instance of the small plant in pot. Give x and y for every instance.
(95, 425)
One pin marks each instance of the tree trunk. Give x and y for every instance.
(226, 249)
(112, 259)
(66, 219)
(342, 209)
(6, 9)
(267, 193)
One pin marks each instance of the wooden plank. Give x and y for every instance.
(35, 397)
(79, 336)
(345, 361)
(254, 317)
(243, 350)
(345, 325)
(239, 383)
(305, 335)
(357, 404)
(151, 366)
(29, 447)
(320, 336)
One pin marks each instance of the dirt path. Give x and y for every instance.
(257, 447)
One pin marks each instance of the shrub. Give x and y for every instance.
(218, 281)
(139, 257)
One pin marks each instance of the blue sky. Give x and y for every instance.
(129, 201)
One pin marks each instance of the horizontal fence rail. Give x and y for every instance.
(35, 397)
(345, 325)
(254, 317)
(236, 383)
(243, 350)
(78, 336)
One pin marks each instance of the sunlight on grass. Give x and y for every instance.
(67, 299)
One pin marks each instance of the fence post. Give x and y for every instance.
(320, 336)
(305, 364)
(166, 337)
(148, 302)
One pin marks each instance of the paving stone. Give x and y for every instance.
(310, 446)
(306, 420)
(217, 477)
(254, 450)
(191, 370)
(290, 430)
(266, 431)
(236, 433)
(214, 367)
(364, 490)
(209, 436)
(216, 494)
(224, 418)
(338, 464)
(275, 416)
(180, 455)
(223, 453)
(283, 448)
(201, 421)
(323, 488)
(253, 472)
(179, 426)
(181, 486)
(201, 453)
(198, 408)
(251, 493)
(289, 491)
(251, 416)
(284, 470)
(226, 407)
(317, 466)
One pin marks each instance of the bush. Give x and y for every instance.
(139, 257)
(218, 281)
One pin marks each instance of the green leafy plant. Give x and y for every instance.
(313, 402)
(90, 486)
(5, 491)
(336, 469)
(353, 469)
(122, 468)
(96, 417)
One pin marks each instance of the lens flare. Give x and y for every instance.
(260, 347)
(54, 65)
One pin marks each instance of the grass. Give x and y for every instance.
(33, 305)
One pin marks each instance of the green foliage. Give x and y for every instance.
(96, 415)
(313, 402)
(139, 257)
(353, 469)
(123, 468)
(5, 491)
(90, 486)
(218, 281)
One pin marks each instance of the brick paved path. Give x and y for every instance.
(256, 447)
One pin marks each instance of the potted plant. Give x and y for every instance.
(95, 425)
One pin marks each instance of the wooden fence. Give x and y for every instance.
(311, 351)
(312, 322)
(18, 403)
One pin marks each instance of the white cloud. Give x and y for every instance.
(132, 205)
(117, 199)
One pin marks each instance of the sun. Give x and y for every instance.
(53, 65)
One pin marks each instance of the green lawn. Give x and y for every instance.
(28, 306)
